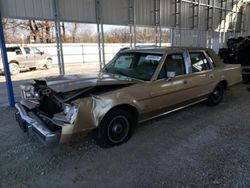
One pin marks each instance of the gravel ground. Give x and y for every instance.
(199, 146)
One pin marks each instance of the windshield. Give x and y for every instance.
(135, 65)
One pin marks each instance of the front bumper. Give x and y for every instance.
(32, 127)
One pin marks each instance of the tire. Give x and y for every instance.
(14, 68)
(48, 64)
(216, 96)
(115, 128)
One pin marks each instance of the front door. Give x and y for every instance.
(170, 93)
(29, 57)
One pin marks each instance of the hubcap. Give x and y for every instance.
(217, 94)
(14, 68)
(49, 63)
(118, 129)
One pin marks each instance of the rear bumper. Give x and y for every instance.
(33, 127)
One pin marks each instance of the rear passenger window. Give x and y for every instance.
(174, 64)
(199, 62)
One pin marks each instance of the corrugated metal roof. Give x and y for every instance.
(27, 9)
(114, 12)
(77, 10)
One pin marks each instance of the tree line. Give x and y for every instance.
(33, 31)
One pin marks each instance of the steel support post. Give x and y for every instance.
(100, 34)
(9, 86)
(132, 30)
(210, 15)
(220, 27)
(236, 16)
(224, 27)
(58, 37)
(157, 22)
(196, 14)
(177, 13)
(178, 20)
(242, 25)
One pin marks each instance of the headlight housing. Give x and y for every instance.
(28, 92)
(70, 112)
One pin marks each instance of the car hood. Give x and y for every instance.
(66, 83)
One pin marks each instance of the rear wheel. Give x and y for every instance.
(216, 96)
(48, 64)
(115, 128)
(14, 68)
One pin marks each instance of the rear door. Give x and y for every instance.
(39, 56)
(202, 76)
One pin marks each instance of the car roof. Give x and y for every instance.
(160, 50)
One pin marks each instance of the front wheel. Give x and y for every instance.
(115, 128)
(216, 96)
(14, 68)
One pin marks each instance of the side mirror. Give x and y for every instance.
(41, 53)
(170, 75)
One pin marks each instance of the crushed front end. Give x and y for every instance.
(45, 113)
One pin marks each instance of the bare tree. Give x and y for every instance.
(86, 35)
(48, 33)
(74, 32)
(144, 35)
(117, 35)
(34, 30)
(40, 31)
(63, 32)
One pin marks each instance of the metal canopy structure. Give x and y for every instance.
(190, 13)
(207, 15)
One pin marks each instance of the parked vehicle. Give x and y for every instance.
(26, 58)
(137, 85)
(238, 52)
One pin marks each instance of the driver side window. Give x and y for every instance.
(174, 64)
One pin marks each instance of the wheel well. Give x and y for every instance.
(224, 84)
(13, 61)
(129, 108)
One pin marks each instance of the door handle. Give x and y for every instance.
(185, 82)
(211, 76)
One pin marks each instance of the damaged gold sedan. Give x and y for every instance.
(137, 85)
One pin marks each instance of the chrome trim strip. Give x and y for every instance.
(176, 109)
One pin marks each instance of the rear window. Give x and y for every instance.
(14, 49)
